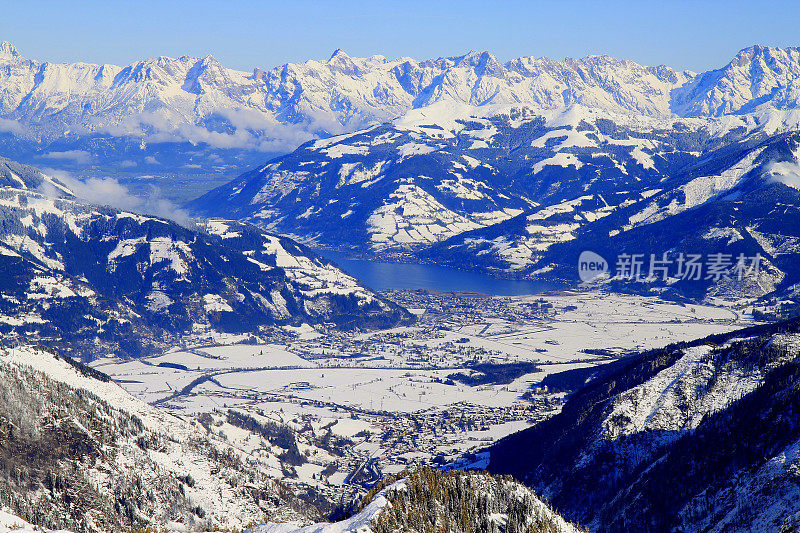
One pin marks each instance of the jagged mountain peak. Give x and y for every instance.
(484, 63)
(667, 74)
(258, 74)
(758, 77)
(8, 51)
(209, 60)
(158, 97)
(598, 58)
(340, 61)
(165, 60)
(756, 51)
(473, 57)
(339, 54)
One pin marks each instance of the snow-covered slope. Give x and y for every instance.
(738, 199)
(17, 176)
(699, 437)
(448, 169)
(82, 454)
(11, 523)
(101, 280)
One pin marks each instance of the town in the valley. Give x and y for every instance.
(340, 410)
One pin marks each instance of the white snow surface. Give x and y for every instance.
(411, 216)
(167, 98)
(677, 398)
(359, 523)
(223, 502)
(11, 523)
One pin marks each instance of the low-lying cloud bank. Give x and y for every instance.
(245, 129)
(110, 192)
(785, 172)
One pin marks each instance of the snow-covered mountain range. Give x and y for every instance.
(99, 280)
(192, 98)
(200, 100)
(493, 168)
(122, 117)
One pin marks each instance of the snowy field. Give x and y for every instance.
(390, 393)
(398, 369)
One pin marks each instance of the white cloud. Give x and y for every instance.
(110, 192)
(12, 126)
(785, 172)
(253, 130)
(248, 119)
(82, 157)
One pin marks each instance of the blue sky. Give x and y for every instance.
(695, 35)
